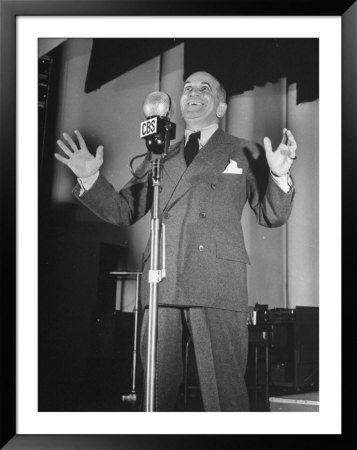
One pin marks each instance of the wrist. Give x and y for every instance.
(279, 176)
(87, 182)
(89, 177)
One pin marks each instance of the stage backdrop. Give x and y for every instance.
(284, 271)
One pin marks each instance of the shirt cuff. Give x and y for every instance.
(87, 182)
(283, 182)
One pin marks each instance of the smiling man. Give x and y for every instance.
(207, 180)
(203, 101)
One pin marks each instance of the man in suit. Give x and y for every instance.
(201, 203)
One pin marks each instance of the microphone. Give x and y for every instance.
(157, 129)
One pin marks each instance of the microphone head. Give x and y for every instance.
(159, 104)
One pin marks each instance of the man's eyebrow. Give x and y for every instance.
(204, 83)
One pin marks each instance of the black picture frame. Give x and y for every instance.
(9, 10)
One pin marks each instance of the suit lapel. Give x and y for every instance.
(175, 165)
(211, 158)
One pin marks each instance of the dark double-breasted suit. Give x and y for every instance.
(206, 258)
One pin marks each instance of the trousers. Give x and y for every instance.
(220, 340)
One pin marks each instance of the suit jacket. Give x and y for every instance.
(206, 259)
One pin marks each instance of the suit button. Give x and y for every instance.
(201, 248)
(166, 215)
(203, 215)
(213, 186)
(160, 188)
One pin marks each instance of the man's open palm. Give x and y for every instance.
(80, 160)
(281, 159)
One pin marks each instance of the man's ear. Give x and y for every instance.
(221, 109)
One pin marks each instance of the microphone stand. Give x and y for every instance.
(156, 275)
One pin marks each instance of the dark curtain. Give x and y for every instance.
(110, 58)
(239, 64)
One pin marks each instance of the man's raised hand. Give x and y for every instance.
(80, 160)
(281, 159)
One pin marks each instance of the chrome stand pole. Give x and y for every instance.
(156, 275)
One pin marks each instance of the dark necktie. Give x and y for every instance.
(192, 147)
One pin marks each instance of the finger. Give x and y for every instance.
(64, 147)
(71, 142)
(267, 145)
(60, 158)
(284, 139)
(291, 146)
(81, 141)
(291, 141)
(99, 153)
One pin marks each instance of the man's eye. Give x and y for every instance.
(187, 89)
(204, 89)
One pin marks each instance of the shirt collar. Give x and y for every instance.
(206, 133)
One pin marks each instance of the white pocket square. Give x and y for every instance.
(232, 167)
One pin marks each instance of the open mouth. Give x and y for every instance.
(194, 103)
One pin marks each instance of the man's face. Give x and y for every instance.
(200, 102)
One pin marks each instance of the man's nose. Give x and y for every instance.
(194, 92)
